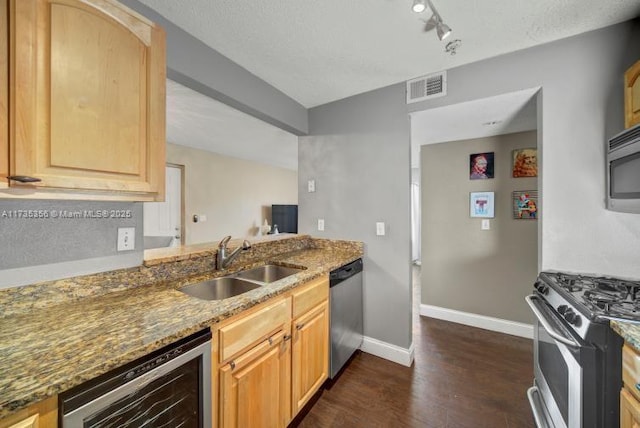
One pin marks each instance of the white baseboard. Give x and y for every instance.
(481, 321)
(388, 351)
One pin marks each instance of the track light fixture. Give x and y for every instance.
(418, 6)
(442, 30)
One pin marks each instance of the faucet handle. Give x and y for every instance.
(224, 241)
(246, 245)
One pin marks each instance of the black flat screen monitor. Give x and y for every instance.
(286, 217)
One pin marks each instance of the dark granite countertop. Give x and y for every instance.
(47, 348)
(629, 331)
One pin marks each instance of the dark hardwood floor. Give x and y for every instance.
(462, 377)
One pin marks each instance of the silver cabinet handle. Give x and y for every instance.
(547, 326)
(24, 179)
(299, 326)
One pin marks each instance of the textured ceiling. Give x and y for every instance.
(197, 121)
(321, 51)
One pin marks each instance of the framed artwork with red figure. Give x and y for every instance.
(481, 166)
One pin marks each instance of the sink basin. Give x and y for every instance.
(219, 288)
(267, 273)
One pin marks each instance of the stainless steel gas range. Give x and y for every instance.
(577, 357)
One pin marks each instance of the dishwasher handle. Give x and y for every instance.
(345, 272)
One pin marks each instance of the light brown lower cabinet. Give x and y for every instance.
(309, 355)
(254, 387)
(269, 360)
(629, 396)
(40, 415)
(629, 410)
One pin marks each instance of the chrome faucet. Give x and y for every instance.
(222, 260)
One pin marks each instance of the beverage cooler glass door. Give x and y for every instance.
(176, 393)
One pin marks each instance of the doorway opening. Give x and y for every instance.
(164, 221)
(476, 270)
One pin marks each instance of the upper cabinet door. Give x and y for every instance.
(87, 97)
(4, 93)
(632, 96)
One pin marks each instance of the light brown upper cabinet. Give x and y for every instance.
(86, 101)
(4, 93)
(632, 96)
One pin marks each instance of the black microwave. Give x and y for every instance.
(623, 171)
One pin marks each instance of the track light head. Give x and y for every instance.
(442, 30)
(418, 6)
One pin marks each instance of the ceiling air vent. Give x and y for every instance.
(427, 87)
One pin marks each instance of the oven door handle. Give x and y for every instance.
(547, 325)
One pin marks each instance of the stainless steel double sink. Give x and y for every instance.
(238, 283)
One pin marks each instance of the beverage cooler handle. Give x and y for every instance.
(547, 326)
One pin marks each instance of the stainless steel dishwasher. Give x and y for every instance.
(346, 314)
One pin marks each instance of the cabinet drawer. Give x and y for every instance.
(310, 295)
(252, 328)
(631, 370)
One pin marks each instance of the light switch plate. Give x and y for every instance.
(311, 186)
(380, 228)
(126, 238)
(486, 224)
(320, 224)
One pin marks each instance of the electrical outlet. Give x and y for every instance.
(380, 228)
(320, 224)
(199, 218)
(311, 186)
(126, 238)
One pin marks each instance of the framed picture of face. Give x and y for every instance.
(481, 166)
(525, 163)
(525, 205)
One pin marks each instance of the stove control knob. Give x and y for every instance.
(541, 287)
(572, 317)
(578, 321)
(562, 309)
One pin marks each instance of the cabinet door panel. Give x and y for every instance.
(632, 96)
(253, 387)
(89, 78)
(4, 93)
(310, 355)
(629, 410)
(98, 92)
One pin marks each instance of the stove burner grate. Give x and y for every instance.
(600, 295)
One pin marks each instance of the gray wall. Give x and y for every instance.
(358, 155)
(486, 272)
(362, 144)
(38, 249)
(197, 66)
(580, 106)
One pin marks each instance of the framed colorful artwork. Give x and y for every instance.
(525, 163)
(481, 166)
(481, 204)
(525, 205)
